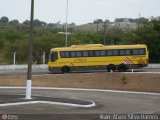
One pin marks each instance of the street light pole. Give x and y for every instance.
(66, 40)
(30, 49)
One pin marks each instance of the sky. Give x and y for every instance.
(79, 11)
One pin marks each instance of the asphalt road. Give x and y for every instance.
(106, 102)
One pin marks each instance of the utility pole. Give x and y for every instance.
(66, 40)
(105, 25)
(30, 49)
(139, 16)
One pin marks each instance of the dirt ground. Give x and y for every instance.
(103, 80)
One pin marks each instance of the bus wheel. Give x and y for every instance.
(65, 69)
(122, 68)
(111, 67)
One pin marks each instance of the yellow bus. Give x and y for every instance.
(98, 56)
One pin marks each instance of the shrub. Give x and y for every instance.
(124, 79)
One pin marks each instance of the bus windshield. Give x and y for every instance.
(54, 56)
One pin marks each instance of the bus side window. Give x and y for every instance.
(64, 54)
(78, 54)
(73, 54)
(135, 52)
(109, 53)
(98, 53)
(54, 56)
(67, 54)
(91, 53)
(115, 52)
(127, 52)
(85, 53)
(138, 52)
(122, 52)
(103, 53)
(141, 51)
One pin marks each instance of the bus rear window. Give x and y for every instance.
(54, 56)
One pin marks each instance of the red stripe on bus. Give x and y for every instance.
(128, 61)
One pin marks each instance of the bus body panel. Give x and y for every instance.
(99, 62)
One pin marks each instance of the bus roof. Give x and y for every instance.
(97, 47)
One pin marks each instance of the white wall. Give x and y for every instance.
(22, 66)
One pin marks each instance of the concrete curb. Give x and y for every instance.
(12, 100)
(82, 89)
(49, 102)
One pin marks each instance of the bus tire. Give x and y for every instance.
(111, 67)
(122, 68)
(65, 69)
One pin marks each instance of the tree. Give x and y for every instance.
(142, 20)
(156, 23)
(51, 25)
(97, 21)
(26, 22)
(38, 23)
(14, 22)
(147, 33)
(4, 20)
(107, 21)
(44, 40)
(1, 44)
(119, 19)
(72, 23)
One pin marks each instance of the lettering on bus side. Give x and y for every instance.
(135, 57)
(80, 60)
